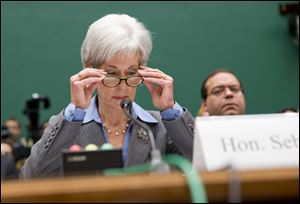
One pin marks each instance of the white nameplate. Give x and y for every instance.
(246, 142)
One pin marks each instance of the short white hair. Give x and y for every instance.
(115, 34)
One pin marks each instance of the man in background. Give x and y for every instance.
(222, 94)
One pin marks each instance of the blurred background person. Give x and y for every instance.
(14, 126)
(7, 148)
(8, 167)
(8, 161)
(20, 144)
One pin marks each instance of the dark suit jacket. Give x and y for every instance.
(8, 167)
(45, 160)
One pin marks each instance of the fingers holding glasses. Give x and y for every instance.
(160, 86)
(88, 72)
(87, 76)
(155, 75)
(83, 84)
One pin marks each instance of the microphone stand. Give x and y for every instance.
(157, 165)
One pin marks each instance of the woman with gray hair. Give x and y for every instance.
(114, 55)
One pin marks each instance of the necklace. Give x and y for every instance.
(117, 132)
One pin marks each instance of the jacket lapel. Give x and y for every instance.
(91, 133)
(139, 147)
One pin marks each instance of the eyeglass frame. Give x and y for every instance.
(125, 79)
(239, 89)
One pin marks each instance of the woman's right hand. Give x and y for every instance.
(83, 84)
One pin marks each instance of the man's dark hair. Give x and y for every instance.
(288, 109)
(217, 71)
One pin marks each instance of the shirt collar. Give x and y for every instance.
(137, 111)
(92, 112)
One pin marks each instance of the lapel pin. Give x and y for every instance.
(142, 134)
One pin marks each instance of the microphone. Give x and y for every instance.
(126, 103)
(156, 161)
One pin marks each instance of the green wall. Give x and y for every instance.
(40, 50)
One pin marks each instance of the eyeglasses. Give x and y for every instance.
(113, 81)
(220, 90)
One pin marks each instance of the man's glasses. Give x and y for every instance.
(113, 81)
(220, 90)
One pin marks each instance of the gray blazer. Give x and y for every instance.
(45, 159)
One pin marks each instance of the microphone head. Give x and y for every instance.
(125, 103)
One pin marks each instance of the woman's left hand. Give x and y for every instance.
(160, 87)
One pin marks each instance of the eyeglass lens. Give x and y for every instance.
(112, 81)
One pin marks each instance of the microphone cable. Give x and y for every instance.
(156, 162)
(195, 184)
